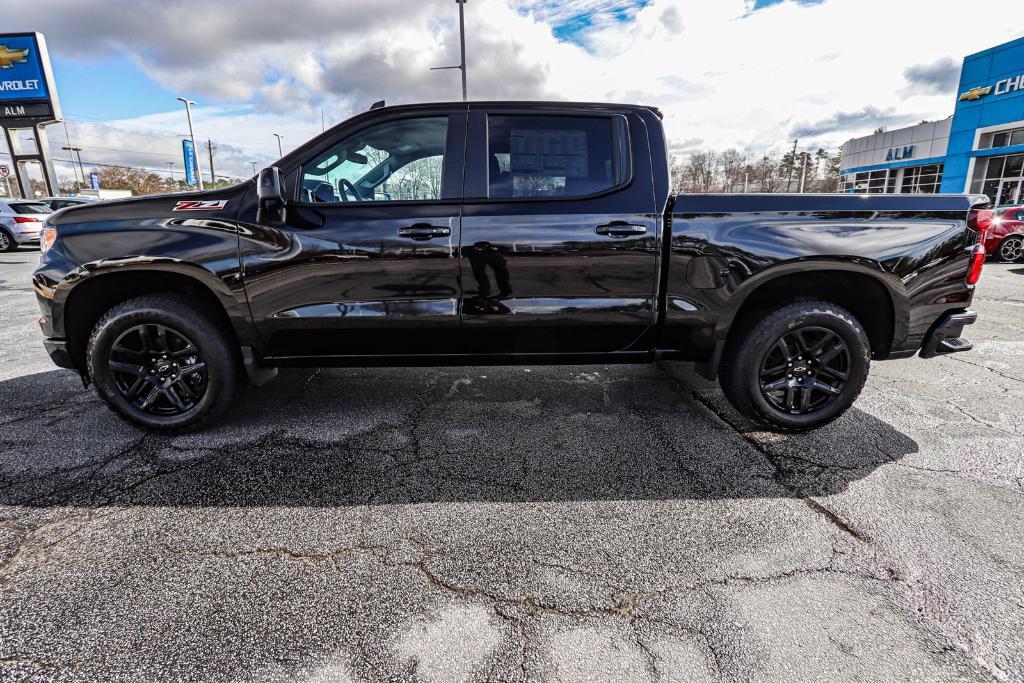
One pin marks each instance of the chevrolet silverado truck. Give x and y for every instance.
(501, 233)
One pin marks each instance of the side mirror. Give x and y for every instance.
(270, 192)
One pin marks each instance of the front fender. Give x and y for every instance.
(204, 251)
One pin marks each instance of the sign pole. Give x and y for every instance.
(28, 103)
(192, 136)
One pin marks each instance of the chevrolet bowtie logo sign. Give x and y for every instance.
(8, 58)
(975, 93)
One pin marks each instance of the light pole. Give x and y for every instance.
(462, 47)
(192, 136)
(280, 152)
(253, 167)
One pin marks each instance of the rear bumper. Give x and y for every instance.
(944, 337)
(58, 350)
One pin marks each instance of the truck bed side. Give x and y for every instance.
(897, 262)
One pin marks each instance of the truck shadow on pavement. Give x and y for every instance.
(330, 438)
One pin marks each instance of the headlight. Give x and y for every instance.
(47, 238)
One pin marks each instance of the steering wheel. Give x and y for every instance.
(345, 186)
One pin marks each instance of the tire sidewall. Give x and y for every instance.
(204, 335)
(11, 243)
(764, 338)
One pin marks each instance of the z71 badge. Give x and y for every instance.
(193, 205)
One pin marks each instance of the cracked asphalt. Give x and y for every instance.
(550, 523)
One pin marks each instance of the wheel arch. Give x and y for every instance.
(856, 287)
(96, 289)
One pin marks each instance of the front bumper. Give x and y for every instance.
(59, 354)
(944, 337)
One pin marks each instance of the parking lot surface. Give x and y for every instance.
(532, 523)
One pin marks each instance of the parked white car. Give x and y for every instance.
(21, 222)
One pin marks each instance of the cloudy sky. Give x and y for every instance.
(751, 74)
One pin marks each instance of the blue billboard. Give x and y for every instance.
(189, 151)
(23, 75)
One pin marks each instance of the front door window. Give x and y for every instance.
(398, 160)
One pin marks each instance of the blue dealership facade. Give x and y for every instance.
(979, 149)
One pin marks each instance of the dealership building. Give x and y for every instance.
(979, 149)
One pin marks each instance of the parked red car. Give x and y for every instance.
(1005, 237)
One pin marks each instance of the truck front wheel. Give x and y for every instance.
(161, 363)
(797, 368)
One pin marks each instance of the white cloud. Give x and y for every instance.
(724, 75)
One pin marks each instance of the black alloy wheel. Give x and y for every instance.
(1011, 249)
(164, 361)
(805, 370)
(158, 369)
(797, 367)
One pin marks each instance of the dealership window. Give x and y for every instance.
(549, 156)
(1002, 138)
(922, 179)
(870, 182)
(1001, 178)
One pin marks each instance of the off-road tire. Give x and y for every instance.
(222, 368)
(756, 336)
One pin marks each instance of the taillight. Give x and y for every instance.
(47, 239)
(980, 220)
(977, 263)
(25, 219)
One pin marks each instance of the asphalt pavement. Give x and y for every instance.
(616, 523)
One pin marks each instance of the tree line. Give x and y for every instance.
(735, 171)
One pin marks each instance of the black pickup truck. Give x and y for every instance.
(501, 233)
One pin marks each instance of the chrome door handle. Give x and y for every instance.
(423, 231)
(621, 229)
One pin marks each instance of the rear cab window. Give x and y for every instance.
(554, 156)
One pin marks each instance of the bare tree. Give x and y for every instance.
(701, 171)
(734, 168)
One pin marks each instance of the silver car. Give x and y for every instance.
(58, 203)
(21, 222)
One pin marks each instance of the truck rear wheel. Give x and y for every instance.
(162, 364)
(797, 368)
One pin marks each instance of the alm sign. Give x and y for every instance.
(897, 153)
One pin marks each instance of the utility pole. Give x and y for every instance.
(73, 169)
(74, 151)
(462, 48)
(192, 136)
(323, 121)
(209, 147)
(77, 152)
(792, 163)
(280, 151)
(746, 182)
(253, 167)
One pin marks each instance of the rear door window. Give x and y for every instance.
(551, 156)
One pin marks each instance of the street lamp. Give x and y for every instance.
(462, 46)
(192, 136)
(280, 152)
